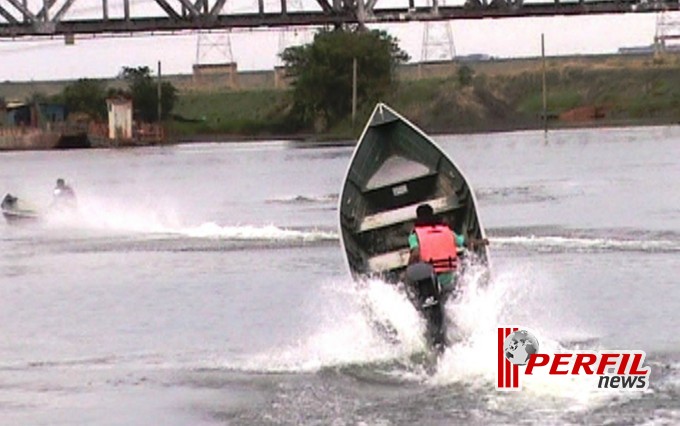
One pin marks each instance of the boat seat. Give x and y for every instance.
(388, 261)
(405, 214)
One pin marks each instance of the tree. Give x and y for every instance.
(144, 92)
(322, 72)
(87, 96)
(465, 75)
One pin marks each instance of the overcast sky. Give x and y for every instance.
(258, 49)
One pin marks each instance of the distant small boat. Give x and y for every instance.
(395, 168)
(16, 211)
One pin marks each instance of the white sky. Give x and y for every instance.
(257, 49)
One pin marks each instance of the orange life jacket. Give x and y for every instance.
(438, 247)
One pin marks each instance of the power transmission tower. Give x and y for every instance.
(438, 42)
(667, 32)
(214, 48)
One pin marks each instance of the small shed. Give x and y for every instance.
(33, 114)
(21, 114)
(52, 113)
(120, 118)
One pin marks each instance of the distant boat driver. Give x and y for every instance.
(433, 242)
(64, 196)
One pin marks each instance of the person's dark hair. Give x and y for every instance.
(425, 215)
(424, 211)
(60, 182)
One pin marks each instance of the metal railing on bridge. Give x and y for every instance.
(18, 18)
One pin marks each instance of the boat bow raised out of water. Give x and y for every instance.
(395, 168)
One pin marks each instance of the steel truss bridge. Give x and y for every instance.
(18, 18)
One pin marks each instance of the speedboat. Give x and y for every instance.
(17, 211)
(395, 168)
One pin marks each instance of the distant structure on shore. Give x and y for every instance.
(36, 125)
(649, 49)
(667, 33)
(46, 125)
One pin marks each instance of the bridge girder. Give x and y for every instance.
(18, 20)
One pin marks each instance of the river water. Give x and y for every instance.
(204, 284)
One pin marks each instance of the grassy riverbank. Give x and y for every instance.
(614, 92)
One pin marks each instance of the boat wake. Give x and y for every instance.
(306, 199)
(559, 244)
(105, 217)
(102, 219)
(251, 232)
(518, 194)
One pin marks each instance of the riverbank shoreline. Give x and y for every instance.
(495, 96)
(304, 140)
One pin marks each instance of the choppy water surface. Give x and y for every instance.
(204, 285)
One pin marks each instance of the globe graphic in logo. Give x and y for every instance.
(518, 346)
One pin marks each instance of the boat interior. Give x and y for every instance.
(379, 205)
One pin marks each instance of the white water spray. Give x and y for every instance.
(506, 301)
(361, 323)
(107, 216)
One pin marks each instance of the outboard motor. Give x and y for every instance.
(426, 294)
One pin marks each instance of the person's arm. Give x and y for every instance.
(475, 242)
(414, 255)
(470, 243)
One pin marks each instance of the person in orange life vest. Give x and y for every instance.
(432, 241)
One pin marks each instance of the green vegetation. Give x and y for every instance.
(259, 112)
(323, 74)
(144, 92)
(468, 100)
(88, 96)
(85, 96)
(558, 100)
(465, 75)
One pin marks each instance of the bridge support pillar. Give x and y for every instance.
(223, 75)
